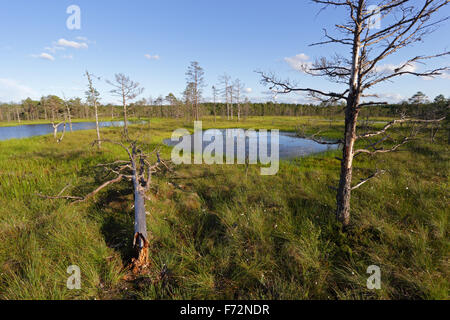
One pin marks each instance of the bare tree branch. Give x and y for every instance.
(394, 148)
(393, 122)
(285, 87)
(363, 181)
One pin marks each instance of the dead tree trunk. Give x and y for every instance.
(351, 116)
(405, 23)
(55, 131)
(138, 170)
(140, 239)
(345, 182)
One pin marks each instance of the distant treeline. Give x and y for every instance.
(53, 108)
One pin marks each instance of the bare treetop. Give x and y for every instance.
(127, 89)
(124, 86)
(402, 23)
(371, 33)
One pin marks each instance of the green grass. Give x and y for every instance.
(222, 234)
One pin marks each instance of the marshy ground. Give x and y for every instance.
(222, 232)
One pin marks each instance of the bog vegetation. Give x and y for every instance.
(142, 228)
(217, 232)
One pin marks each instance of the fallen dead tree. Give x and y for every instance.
(139, 170)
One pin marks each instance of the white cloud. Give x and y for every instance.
(150, 57)
(68, 56)
(248, 90)
(391, 68)
(11, 90)
(72, 44)
(412, 67)
(82, 38)
(297, 98)
(445, 74)
(54, 49)
(299, 61)
(388, 97)
(44, 56)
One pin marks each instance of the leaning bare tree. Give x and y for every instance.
(372, 34)
(127, 90)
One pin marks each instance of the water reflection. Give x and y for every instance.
(31, 130)
(290, 146)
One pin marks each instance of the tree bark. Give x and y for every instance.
(140, 241)
(351, 116)
(140, 224)
(345, 182)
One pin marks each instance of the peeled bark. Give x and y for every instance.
(351, 116)
(140, 242)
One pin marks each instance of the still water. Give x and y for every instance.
(290, 146)
(31, 130)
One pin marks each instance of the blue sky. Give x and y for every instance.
(154, 41)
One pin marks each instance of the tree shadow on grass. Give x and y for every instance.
(54, 154)
(427, 150)
(113, 210)
(303, 207)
